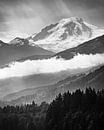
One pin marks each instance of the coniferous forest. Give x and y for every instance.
(80, 110)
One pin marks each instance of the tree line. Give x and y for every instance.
(80, 110)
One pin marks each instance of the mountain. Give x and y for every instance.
(18, 49)
(15, 84)
(68, 37)
(93, 78)
(90, 47)
(65, 34)
(19, 41)
(38, 86)
(35, 57)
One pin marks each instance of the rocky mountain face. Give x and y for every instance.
(65, 34)
(19, 49)
(90, 47)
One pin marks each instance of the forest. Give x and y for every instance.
(79, 110)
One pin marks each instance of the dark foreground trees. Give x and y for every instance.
(69, 111)
(25, 117)
(77, 111)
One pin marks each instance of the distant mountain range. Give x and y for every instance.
(64, 39)
(48, 92)
(19, 49)
(66, 34)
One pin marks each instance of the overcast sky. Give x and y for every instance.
(25, 17)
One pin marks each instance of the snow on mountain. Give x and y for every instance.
(19, 49)
(19, 41)
(68, 33)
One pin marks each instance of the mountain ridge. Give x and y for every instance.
(65, 34)
(90, 47)
(20, 49)
(13, 52)
(47, 93)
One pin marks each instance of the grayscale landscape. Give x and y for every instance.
(51, 65)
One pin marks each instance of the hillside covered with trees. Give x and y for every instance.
(80, 110)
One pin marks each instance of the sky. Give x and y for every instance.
(22, 18)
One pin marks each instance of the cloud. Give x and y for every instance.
(30, 16)
(52, 65)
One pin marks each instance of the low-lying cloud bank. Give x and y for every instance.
(52, 65)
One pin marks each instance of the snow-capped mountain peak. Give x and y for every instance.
(71, 27)
(65, 34)
(19, 41)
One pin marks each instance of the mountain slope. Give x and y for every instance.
(94, 79)
(14, 84)
(14, 51)
(91, 47)
(65, 34)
